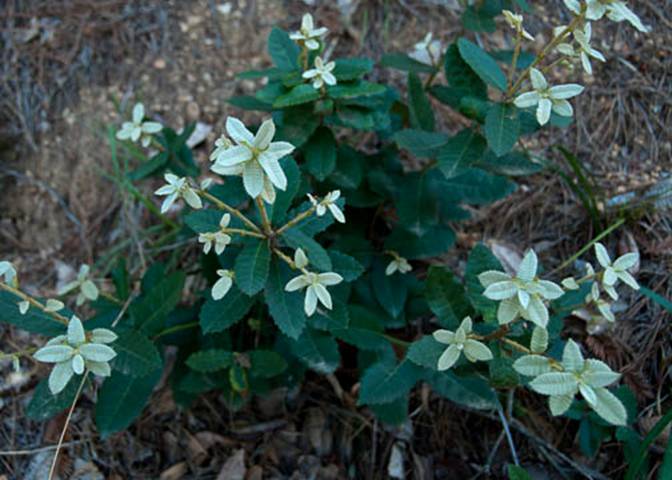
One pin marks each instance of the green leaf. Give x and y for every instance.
(210, 360)
(349, 170)
(257, 74)
(502, 128)
(657, 430)
(320, 151)
(154, 165)
(391, 290)
(121, 399)
(345, 265)
(385, 382)
(393, 413)
(137, 355)
(435, 241)
(352, 68)
(478, 187)
(502, 373)
(297, 125)
(417, 204)
(34, 321)
(150, 310)
(283, 199)
(317, 255)
(286, 308)
(512, 164)
(472, 392)
(446, 297)
(476, 20)
(420, 143)
(354, 90)
(219, 315)
(426, 352)
(317, 350)
(401, 61)
(266, 363)
(480, 260)
(462, 78)
(419, 106)
(517, 473)
(298, 95)
(45, 405)
(460, 152)
(483, 64)
(248, 102)
(251, 267)
(283, 50)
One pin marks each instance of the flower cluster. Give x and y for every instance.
(8, 272)
(138, 129)
(178, 187)
(548, 99)
(87, 290)
(255, 157)
(315, 284)
(75, 352)
(523, 295)
(460, 342)
(428, 51)
(308, 35)
(398, 264)
(321, 74)
(615, 10)
(562, 381)
(328, 203)
(219, 239)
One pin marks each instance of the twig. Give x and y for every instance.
(16, 453)
(33, 302)
(52, 470)
(230, 209)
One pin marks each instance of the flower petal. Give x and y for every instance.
(238, 132)
(264, 135)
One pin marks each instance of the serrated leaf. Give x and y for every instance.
(286, 308)
(403, 62)
(297, 125)
(462, 79)
(219, 315)
(417, 203)
(45, 405)
(318, 256)
(251, 267)
(483, 64)
(391, 290)
(248, 102)
(137, 355)
(460, 152)
(385, 382)
(298, 95)
(512, 164)
(121, 399)
(349, 170)
(420, 143)
(472, 392)
(283, 50)
(345, 265)
(532, 365)
(502, 373)
(354, 90)
(419, 106)
(435, 241)
(210, 360)
(393, 413)
(502, 128)
(317, 350)
(478, 187)
(352, 68)
(266, 363)
(426, 352)
(150, 310)
(320, 151)
(283, 199)
(34, 321)
(446, 297)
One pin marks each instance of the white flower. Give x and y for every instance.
(223, 285)
(221, 145)
(308, 34)
(618, 270)
(584, 51)
(255, 157)
(616, 11)
(428, 51)
(54, 305)
(398, 264)
(321, 74)
(8, 272)
(460, 342)
(577, 375)
(548, 98)
(516, 22)
(328, 202)
(87, 289)
(137, 128)
(219, 239)
(522, 295)
(73, 353)
(178, 187)
(314, 283)
(24, 306)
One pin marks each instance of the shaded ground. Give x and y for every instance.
(70, 74)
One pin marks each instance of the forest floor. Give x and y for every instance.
(69, 71)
